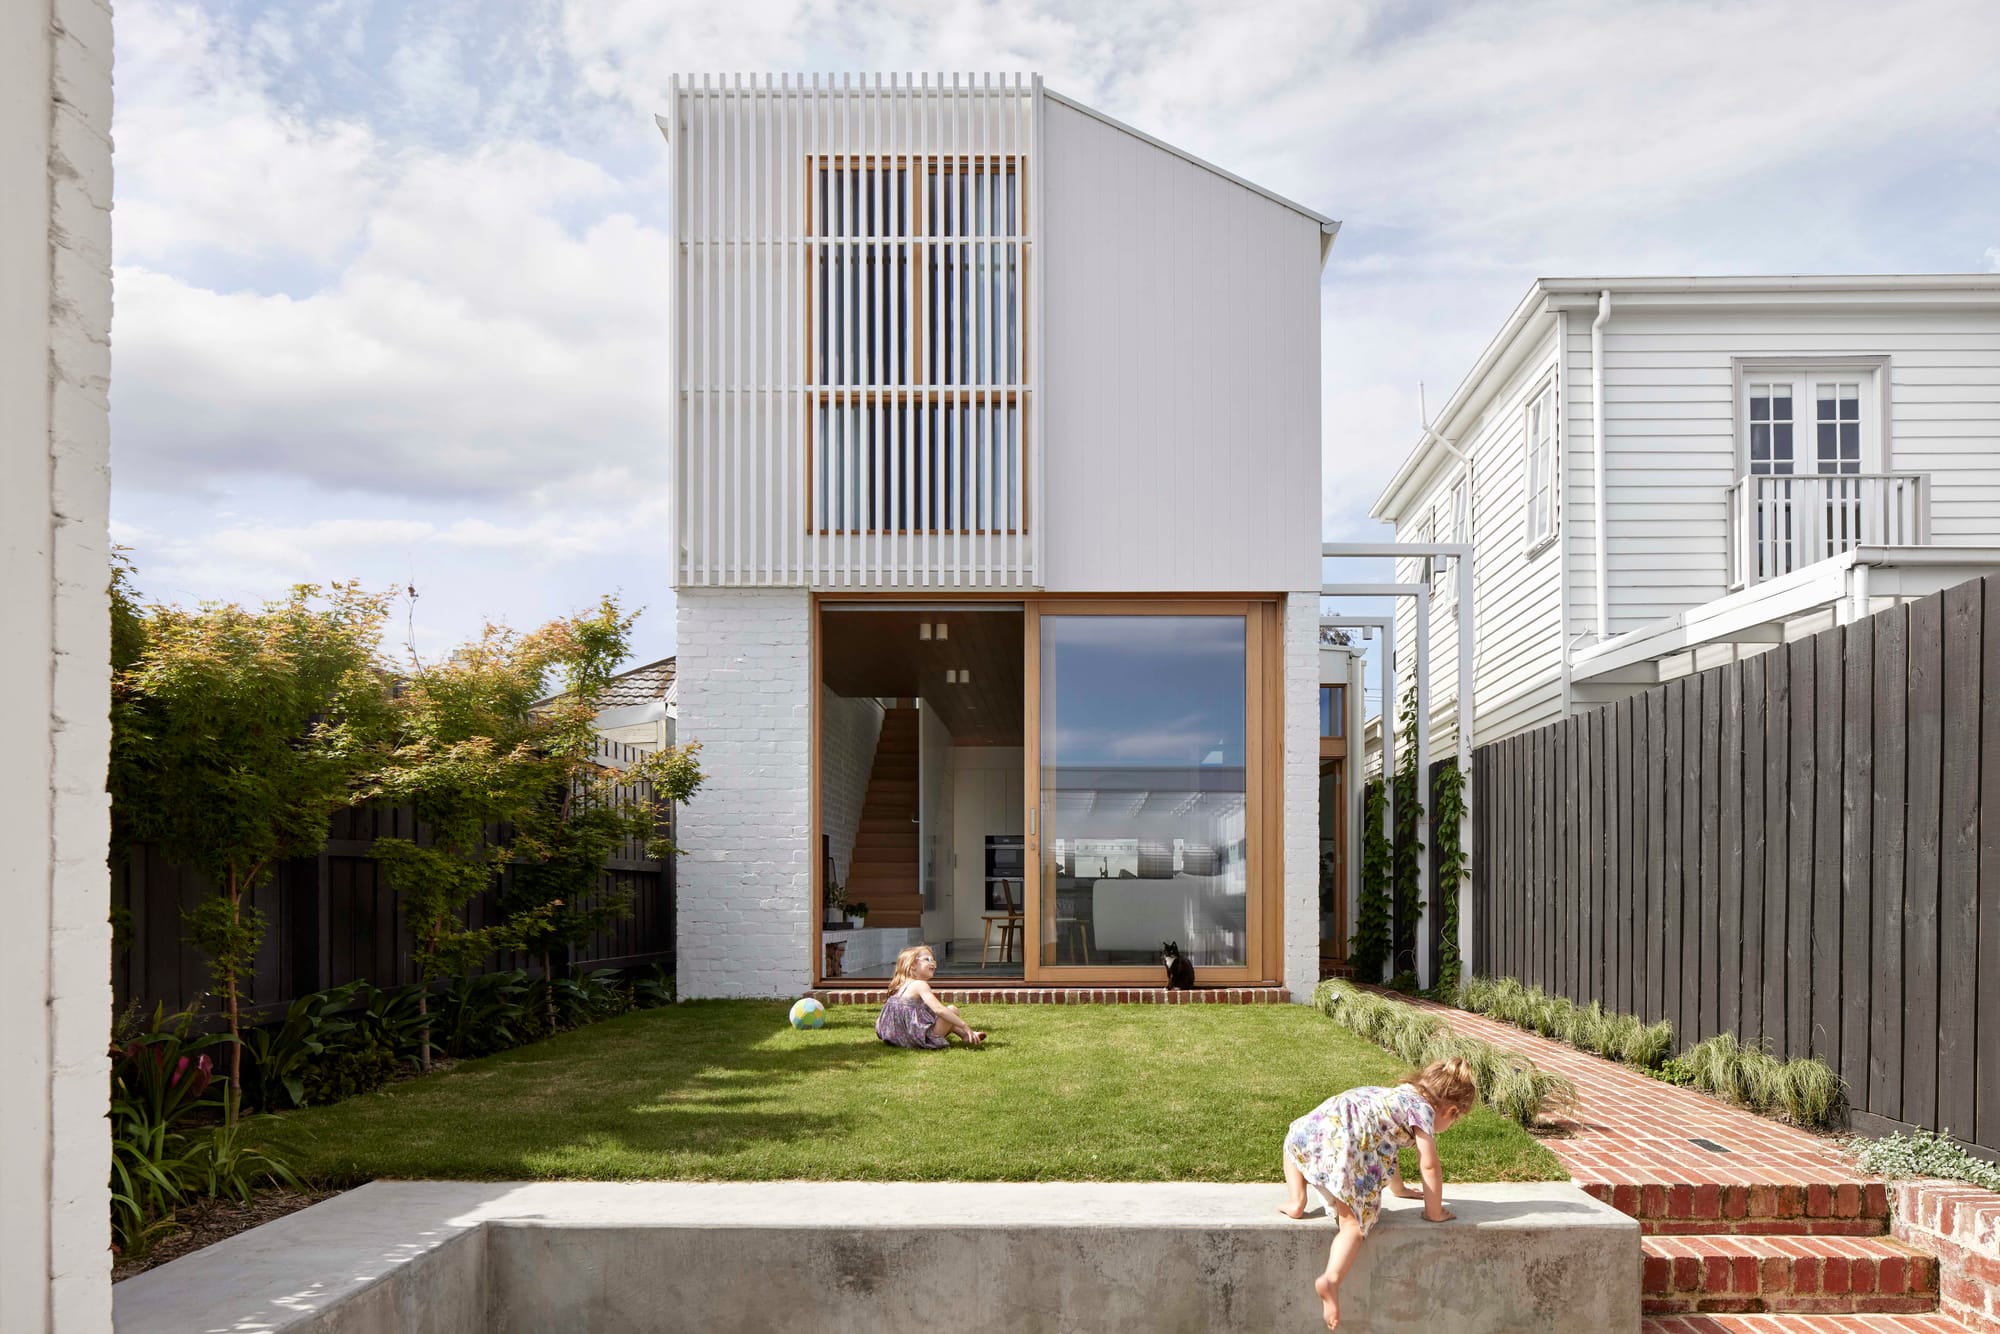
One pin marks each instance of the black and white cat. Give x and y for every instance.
(1180, 973)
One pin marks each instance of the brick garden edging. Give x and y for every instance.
(1960, 1224)
(1068, 996)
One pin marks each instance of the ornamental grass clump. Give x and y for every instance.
(1592, 1028)
(1508, 1081)
(1805, 1088)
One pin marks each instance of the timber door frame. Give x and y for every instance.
(1263, 772)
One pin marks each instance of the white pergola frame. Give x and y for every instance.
(1463, 619)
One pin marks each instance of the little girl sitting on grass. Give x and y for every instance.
(913, 1016)
(1347, 1148)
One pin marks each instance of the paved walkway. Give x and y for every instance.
(1751, 1226)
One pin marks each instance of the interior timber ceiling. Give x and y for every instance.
(868, 649)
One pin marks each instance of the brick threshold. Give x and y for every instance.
(1001, 994)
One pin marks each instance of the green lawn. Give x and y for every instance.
(724, 1090)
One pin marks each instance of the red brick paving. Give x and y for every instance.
(1782, 1218)
(1023, 995)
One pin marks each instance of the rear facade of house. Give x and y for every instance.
(1778, 455)
(996, 470)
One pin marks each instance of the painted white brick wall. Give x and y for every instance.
(1302, 794)
(55, 987)
(848, 732)
(746, 692)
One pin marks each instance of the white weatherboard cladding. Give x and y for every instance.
(1671, 439)
(746, 393)
(1181, 399)
(1517, 639)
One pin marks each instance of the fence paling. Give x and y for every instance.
(1802, 849)
(330, 920)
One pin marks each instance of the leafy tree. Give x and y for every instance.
(587, 809)
(235, 736)
(474, 749)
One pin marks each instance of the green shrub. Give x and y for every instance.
(1674, 1071)
(1412, 1036)
(1923, 1154)
(349, 1070)
(283, 1054)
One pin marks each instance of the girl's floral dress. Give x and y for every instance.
(906, 1021)
(1347, 1145)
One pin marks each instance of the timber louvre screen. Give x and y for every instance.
(1802, 848)
(854, 353)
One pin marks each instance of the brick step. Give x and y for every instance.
(1833, 1209)
(1926, 1323)
(1816, 1274)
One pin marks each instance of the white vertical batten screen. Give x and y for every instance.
(855, 331)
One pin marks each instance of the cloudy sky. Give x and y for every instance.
(390, 276)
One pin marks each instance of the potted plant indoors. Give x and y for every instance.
(857, 915)
(836, 906)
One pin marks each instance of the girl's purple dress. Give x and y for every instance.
(906, 1021)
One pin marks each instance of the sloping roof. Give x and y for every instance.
(1546, 295)
(640, 685)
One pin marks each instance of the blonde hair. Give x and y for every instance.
(904, 962)
(1446, 1084)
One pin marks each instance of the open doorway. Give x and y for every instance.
(921, 787)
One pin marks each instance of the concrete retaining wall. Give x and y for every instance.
(874, 1258)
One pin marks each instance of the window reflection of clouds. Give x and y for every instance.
(1144, 690)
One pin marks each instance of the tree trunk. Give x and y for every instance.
(424, 1033)
(229, 999)
(549, 993)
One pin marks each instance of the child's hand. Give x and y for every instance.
(1443, 1215)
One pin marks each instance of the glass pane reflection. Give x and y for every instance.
(1144, 806)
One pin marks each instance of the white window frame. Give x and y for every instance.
(1805, 374)
(1541, 417)
(1453, 518)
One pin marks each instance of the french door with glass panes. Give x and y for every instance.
(1809, 451)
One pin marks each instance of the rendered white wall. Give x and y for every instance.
(745, 888)
(55, 986)
(1301, 846)
(1181, 391)
(988, 800)
(937, 796)
(849, 729)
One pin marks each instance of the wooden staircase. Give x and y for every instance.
(884, 872)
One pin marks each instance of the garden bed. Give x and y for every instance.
(724, 1090)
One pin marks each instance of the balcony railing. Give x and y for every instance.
(1783, 522)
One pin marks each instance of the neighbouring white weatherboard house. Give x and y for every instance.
(995, 440)
(1778, 455)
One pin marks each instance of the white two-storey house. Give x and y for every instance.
(1777, 455)
(995, 440)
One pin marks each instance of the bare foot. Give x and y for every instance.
(1329, 1300)
(1293, 1208)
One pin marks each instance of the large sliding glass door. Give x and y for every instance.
(1147, 788)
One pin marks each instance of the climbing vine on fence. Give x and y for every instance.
(1452, 870)
(1369, 949)
(1407, 876)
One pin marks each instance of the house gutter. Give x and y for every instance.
(1599, 538)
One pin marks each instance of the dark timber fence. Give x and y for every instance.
(330, 919)
(1802, 848)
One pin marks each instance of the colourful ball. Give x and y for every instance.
(808, 1013)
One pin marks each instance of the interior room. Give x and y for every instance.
(921, 787)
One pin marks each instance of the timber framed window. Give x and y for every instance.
(916, 344)
(1543, 489)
